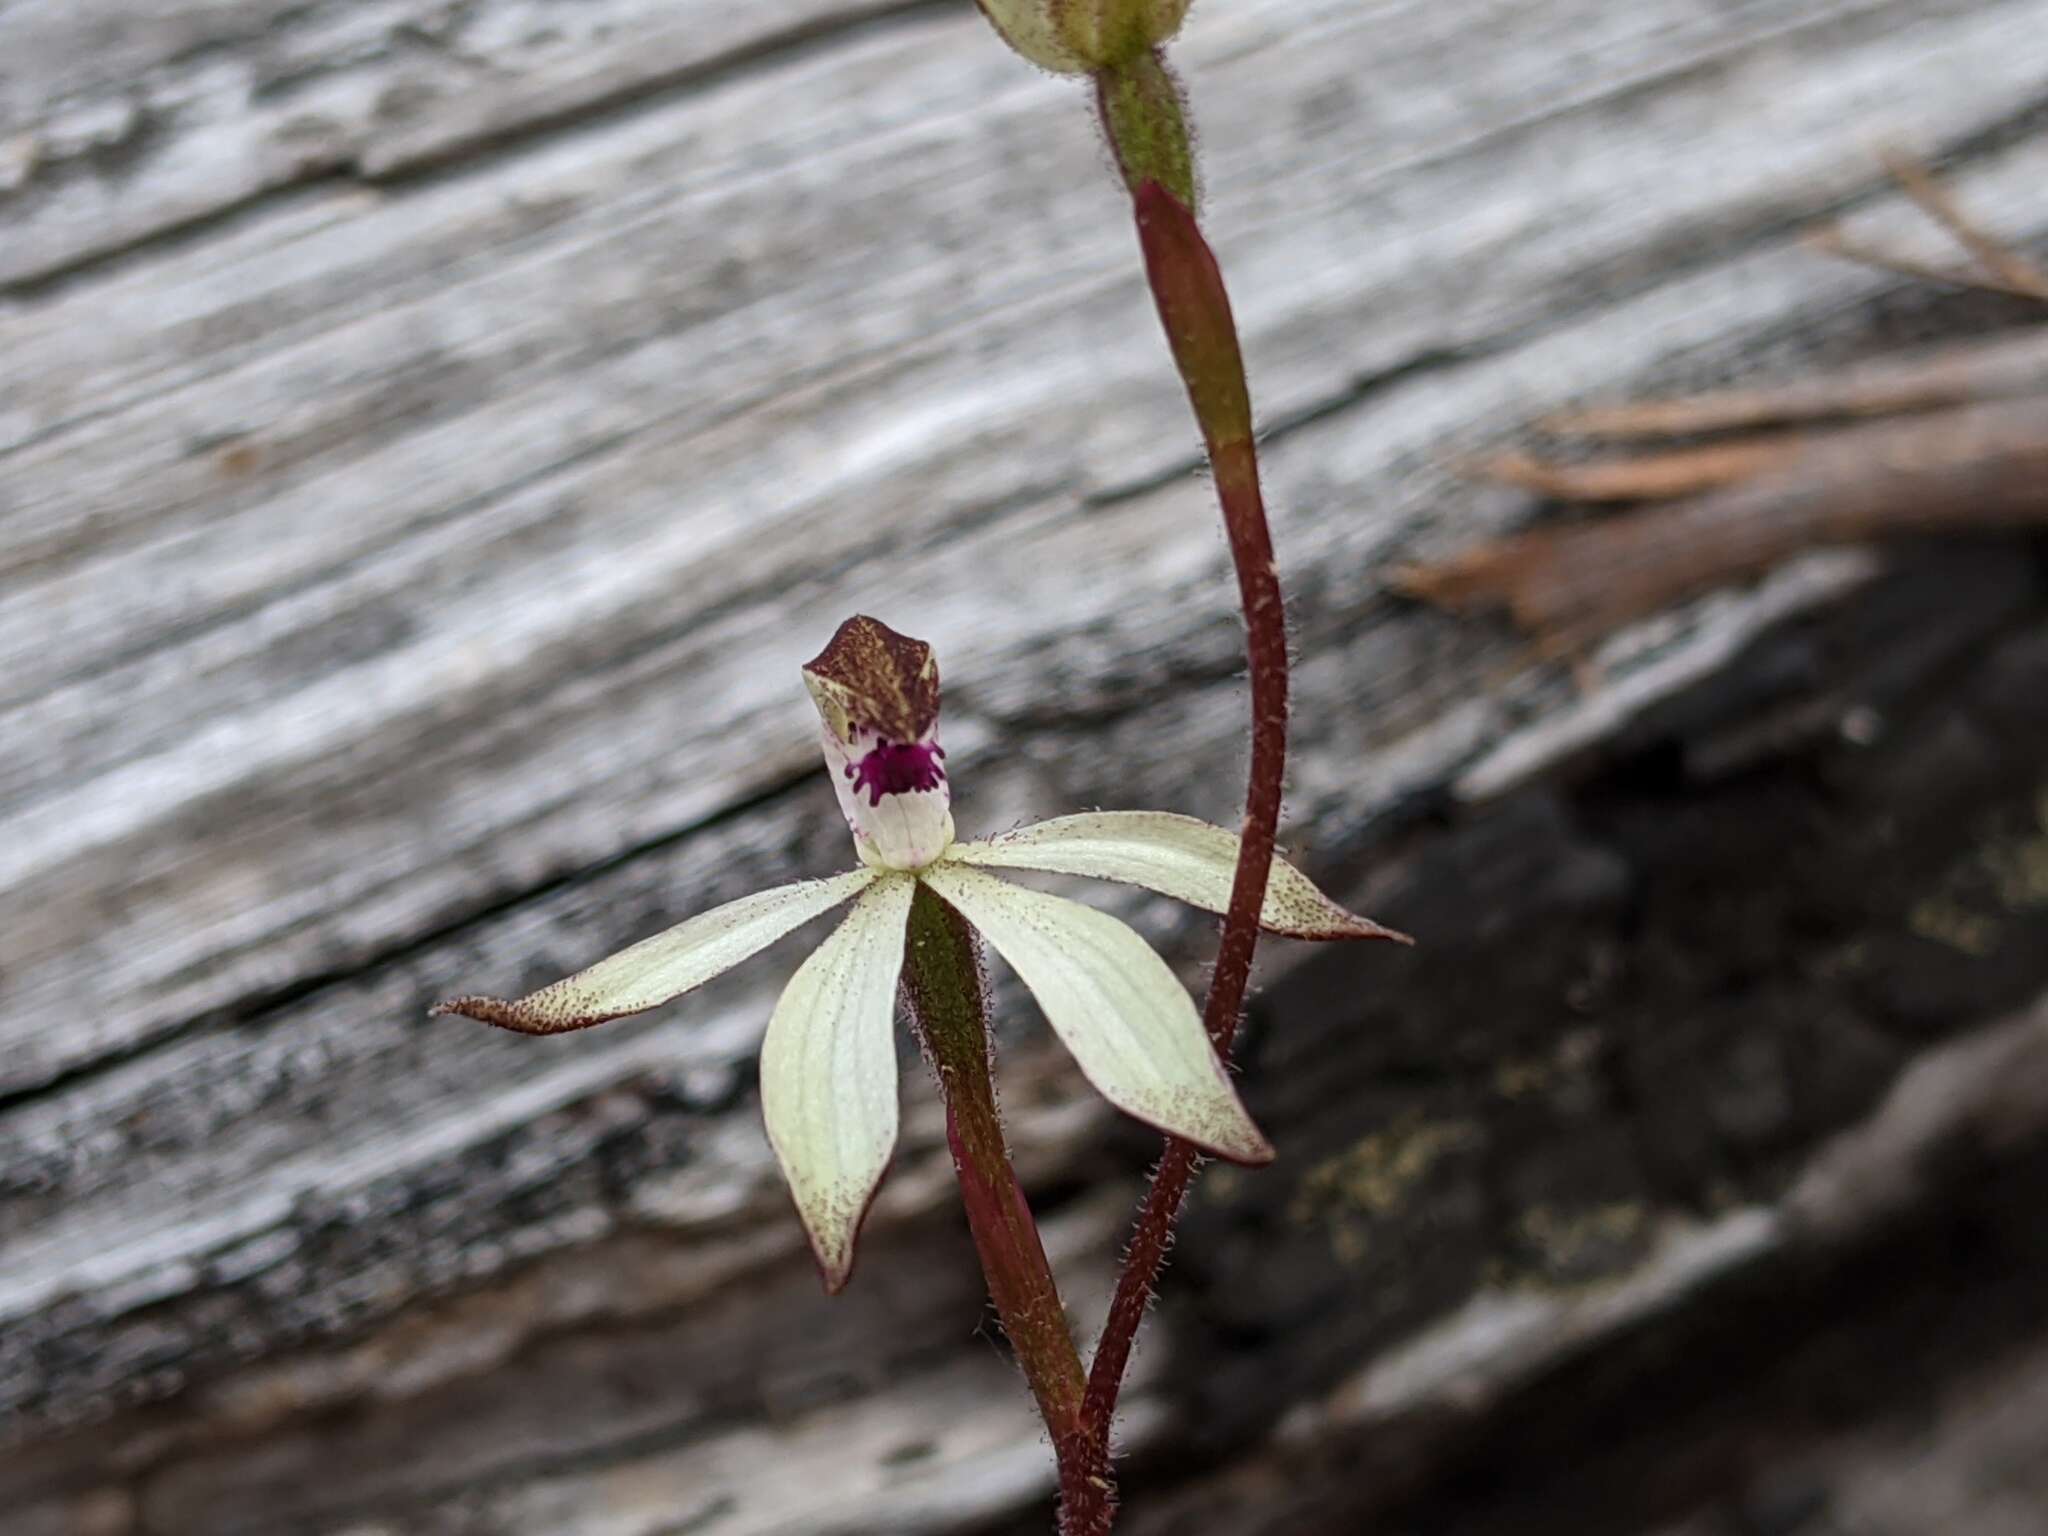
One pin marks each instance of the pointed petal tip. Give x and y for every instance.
(519, 1017)
(833, 1238)
(1357, 927)
(835, 1246)
(1252, 1155)
(1236, 1139)
(1297, 909)
(833, 1242)
(485, 1010)
(833, 1276)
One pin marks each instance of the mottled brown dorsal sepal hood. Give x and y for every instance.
(869, 678)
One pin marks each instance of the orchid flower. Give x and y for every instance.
(828, 1061)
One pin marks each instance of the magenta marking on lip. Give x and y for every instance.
(896, 768)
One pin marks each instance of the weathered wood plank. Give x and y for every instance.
(374, 554)
(345, 728)
(1505, 1362)
(122, 126)
(405, 571)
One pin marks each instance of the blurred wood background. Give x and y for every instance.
(433, 431)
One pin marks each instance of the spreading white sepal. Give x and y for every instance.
(1125, 1016)
(1177, 856)
(828, 1072)
(671, 963)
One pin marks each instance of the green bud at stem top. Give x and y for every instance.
(1113, 33)
(1083, 37)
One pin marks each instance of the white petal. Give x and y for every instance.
(1120, 1010)
(828, 1073)
(1176, 856)
(655, 970)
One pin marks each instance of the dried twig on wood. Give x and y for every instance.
(1962, 445)
(1917, 381)
(1998, 267)
(1975, 467)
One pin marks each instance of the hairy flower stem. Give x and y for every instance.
(947, 992)
(1195, 310)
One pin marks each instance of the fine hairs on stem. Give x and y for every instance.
(1142, 110)
(1195, 310)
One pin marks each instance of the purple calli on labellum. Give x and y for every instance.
(898, 768)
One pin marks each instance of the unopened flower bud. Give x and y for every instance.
(1081, 37)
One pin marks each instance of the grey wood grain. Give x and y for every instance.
(431, 435)
(124, 125)
(405, 553)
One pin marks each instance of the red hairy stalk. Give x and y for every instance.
(1195, 310)
(947, 993)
